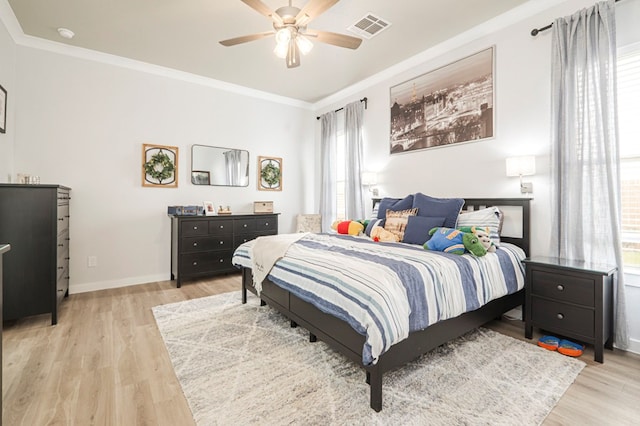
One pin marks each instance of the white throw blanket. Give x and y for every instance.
(266, 251)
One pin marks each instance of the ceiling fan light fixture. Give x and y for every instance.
(283, 36)
(304, 44)
(281, 50)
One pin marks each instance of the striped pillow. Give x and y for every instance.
(483, 218)
(396, 221)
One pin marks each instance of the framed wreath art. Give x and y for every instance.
(159, 166)
(269, 174)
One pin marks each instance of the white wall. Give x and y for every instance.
(477, 169)
(7, 81)
(82, 124)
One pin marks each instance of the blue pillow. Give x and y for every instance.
(395, 204)
(371, 224)
(418, 227)
(449, 208)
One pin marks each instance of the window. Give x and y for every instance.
(629, 133)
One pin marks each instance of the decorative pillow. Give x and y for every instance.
(371, 224)
(396, 221)
(417, 230)
(484, 218)
(449, 208)
(394, 204)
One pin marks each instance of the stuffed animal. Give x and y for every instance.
(454, 241)
(483, 236)
(350, 227)
(379, 234)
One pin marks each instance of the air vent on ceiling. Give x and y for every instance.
(369, 26)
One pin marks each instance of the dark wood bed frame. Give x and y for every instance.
(343, 338)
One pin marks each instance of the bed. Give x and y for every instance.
(342, 334)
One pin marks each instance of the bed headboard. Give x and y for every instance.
(523, 204)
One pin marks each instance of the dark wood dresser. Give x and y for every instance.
(572, 299)
(203, 246)
(34, 220)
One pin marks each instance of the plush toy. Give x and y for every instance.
(379, 234)
(454, 241)
(350, 227)
(483, 236)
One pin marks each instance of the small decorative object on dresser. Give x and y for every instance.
(224, 210)
(202, 246)
(159, 166)
(263, 206)
(269, 174)
(573, 299)
(209, 208)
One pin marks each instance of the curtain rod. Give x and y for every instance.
(535, 31)
(340, 109)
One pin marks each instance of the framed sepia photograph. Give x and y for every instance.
(200, 177)
(159, 166)
(449, 105)
(3, 110)
(269, 174)
(209, 208)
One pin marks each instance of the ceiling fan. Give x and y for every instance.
(290, 29)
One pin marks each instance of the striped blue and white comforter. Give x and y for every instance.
(387, 290)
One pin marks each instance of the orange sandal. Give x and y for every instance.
(570, 348)
(549, 342)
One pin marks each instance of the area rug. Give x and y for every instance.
(244, 364)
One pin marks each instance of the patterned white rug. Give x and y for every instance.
(243, 364)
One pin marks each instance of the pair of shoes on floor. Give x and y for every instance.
(565, 347)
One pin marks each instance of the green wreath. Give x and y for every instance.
(159, 167)
(271, 175)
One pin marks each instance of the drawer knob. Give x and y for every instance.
(195, 263)
(221, 242)
(245, 225)
(221, 260)
(560, 287)
(266, 224)
(195, 244)
(560, 316)
(195, 227)
(221, 226)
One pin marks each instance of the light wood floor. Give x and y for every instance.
(105, 364)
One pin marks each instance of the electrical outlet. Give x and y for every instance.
(92, 261)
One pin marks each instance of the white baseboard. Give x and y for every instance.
(125, 282)
(634, 346)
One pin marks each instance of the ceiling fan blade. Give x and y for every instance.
(312, 10)
(340, 40)
(293, 55)
(263, 9)
(244, 39)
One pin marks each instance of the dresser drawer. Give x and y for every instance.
(196, 244)
(564, 288)
(244, 226)
(193, 228)
(561, 317)
(266, 223)
(196, 263)
(221, 227)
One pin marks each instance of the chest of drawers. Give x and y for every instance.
(203, 245)
(571, 299)
(34, 219)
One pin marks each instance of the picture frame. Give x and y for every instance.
(209, 208)
(200, 177)
(159, 166)
(3, 110)
(269, 175)
(449, 105)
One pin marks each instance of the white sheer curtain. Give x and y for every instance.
(328, 142)
(353, 141)
(585, 157)
(233, 164)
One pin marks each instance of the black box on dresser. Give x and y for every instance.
(203, 246)
(34, 220)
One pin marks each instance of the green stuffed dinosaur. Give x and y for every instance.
(454, 241)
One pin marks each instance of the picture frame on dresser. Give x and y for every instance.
(209, 208)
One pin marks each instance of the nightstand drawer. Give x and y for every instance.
(561, 317)
(565, 288)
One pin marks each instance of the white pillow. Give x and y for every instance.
(485, 218)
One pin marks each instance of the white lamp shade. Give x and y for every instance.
(521, 166)
(369, 178)
(304, 44)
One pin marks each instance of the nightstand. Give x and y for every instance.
(570, 298)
